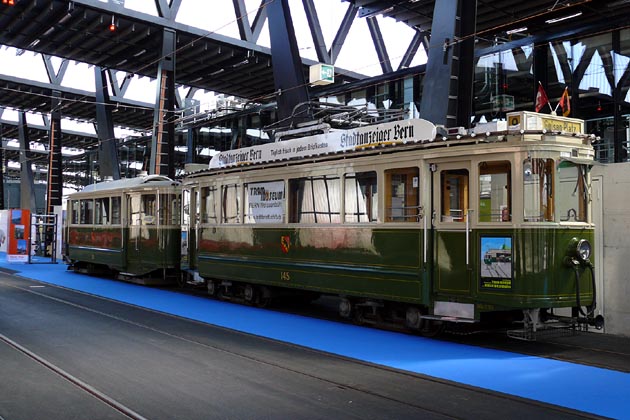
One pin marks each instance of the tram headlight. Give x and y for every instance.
(583, 250)
(578, 252)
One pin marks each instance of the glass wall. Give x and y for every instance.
(594, 70)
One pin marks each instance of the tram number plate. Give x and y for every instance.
(285, 276)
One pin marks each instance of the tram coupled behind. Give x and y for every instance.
(128, 227)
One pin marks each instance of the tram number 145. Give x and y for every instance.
(285, 276)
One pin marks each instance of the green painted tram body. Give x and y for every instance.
(386, 264)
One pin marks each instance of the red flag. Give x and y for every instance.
(565, 104)
(541, 98)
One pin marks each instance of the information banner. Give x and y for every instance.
(265, 202)
(18, 235)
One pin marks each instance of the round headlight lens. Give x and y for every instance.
(584, 249)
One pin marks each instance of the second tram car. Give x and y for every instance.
(130, 227)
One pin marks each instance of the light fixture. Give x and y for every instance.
(516, 31)
(112, 26)
(560, 19)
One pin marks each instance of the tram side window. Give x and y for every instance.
(538, 190)
(454, 186)
(572, 198)
(116, 209)
(402, 200)
(101, 211)
(148, 209)
(75, 212)
(168, 209)
(315, 200)
(495, 190)
(361, 198)
(208, 210)
(87, 212)
(230, 204)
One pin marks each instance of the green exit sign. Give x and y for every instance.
(322, 74)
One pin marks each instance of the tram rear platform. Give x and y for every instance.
(75, 346)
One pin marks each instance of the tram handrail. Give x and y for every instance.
(468, 236)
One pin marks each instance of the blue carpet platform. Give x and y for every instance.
(590, 389)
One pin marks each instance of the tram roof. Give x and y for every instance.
(121, 184)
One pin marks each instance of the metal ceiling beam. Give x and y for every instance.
(109, 164)
(437, 104)
(288, 73)
(379, 45)
(342, 33)
(316, 32)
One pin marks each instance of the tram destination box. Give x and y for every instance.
(533, 121)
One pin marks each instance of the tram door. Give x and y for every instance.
(452, 240)
(190, 212)
(142, 209)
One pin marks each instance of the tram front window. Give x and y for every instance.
(572, 196)
(538, 194)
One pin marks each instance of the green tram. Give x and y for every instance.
(403, 224)
(130, 227)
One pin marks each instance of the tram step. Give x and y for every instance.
(448, 318)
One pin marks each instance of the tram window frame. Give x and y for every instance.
(231, 214)
(538, 199)
(168, 208)
(102, 211)
(116, 210)
(207, 204)
(462, 175)
(361, 195)
(494, 171)
(572, 201)
(402, 195)
(148, 208)
(86, 211)
(74, 211)
(303, 191)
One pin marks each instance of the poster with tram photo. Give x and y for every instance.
(496, 262)
(265, 202)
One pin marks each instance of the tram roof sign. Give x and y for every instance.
(398, 132)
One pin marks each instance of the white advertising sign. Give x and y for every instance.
(265, 202)
(415, 130)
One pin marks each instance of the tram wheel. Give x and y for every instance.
(413, 321)
(249, 293)
(212, 288)
(345, 308)
(263, 297)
